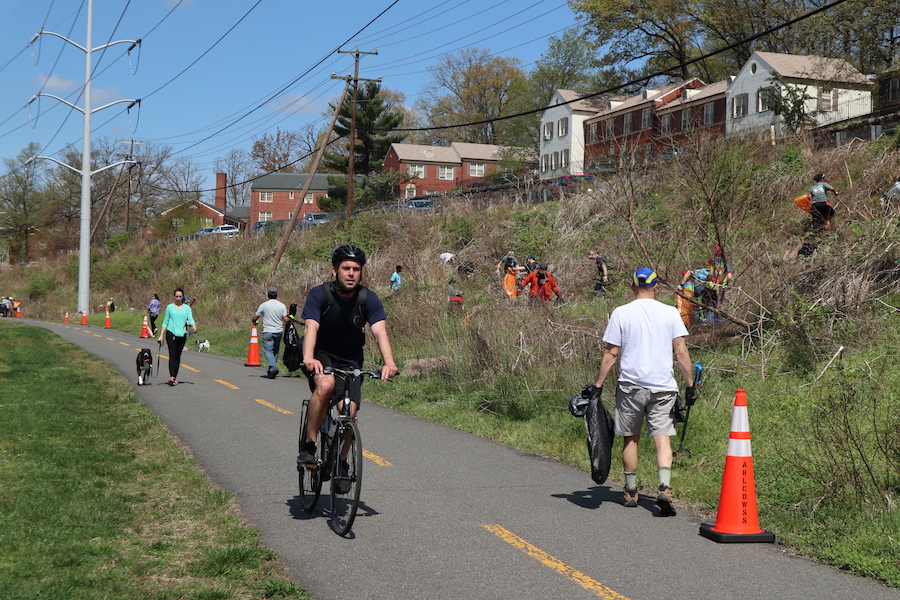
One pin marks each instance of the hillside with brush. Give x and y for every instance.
(814, 340)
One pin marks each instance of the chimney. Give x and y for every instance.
(221, 183)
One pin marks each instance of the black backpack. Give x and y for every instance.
(293, 353)
(361, 298)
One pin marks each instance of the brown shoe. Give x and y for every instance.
(664, 501)
(630, 498)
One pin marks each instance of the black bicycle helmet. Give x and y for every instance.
(348, 252)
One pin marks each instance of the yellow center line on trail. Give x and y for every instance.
(125, 344)
(376, 459)
(554, 563)
(194, 370)
(225, 383)
(283, 411)
(110, 339)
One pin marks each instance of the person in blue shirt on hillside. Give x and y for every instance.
(174, 330)
(395, 279)
(821, 211)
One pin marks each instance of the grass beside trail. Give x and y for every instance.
(98, 501)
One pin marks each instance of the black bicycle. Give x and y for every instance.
(339, 455)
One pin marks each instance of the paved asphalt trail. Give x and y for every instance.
(446, 514)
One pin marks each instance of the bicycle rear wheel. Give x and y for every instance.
(310, 478)
(346, 479)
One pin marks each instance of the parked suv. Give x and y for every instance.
(204, 231)
(420, 205)
(314, 219)
(226, 231)
(262, 227)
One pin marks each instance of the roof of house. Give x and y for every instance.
(592, 104)
(455, 153)
(648, 96)
(294, 181)
(196, 202)
(698, 95)
(817, 68)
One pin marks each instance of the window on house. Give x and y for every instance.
(592, 132)
(827, 100)
(410, 190)
(310, 198)
(445, 173)
(476, 169)
(416, 170)
(627, 122)
(177, 223)
(609, 129)
(265, 196)
(709, 113)
(548, 131)
(207, 222)
(554, 161)
(665, 124)
(564, 158)
(290, 195)
(740, 105)
(892, 90)
(265, 216)
(563, 127)
(764, 99)
(687, 116)
(645, 118)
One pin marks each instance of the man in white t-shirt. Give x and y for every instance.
(642, 336)
(274, 315)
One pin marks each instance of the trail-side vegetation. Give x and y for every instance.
(814, 340)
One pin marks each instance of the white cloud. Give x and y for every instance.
(297, 104)
(54, 84)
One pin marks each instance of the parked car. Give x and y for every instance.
(573, 181)
(282, 223)
(479, 185)
(314, 219)
(262, 227)
(204, 231)
(226, 231)
(420, 205)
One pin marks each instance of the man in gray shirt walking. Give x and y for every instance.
(274, 315)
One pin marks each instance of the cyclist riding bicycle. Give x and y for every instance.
(335, 315)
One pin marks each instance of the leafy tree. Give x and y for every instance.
(279, 152)
(789, 102)
(22, 201)
(470, 86)
(377, 113)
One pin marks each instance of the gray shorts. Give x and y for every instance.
(633, 401)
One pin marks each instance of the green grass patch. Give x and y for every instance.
(96, 499)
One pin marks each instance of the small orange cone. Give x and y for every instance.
(737, 520)
(108, 322)
(253, 353)
(66, 320)
(145, 331)
(18, 313)
(84, 317)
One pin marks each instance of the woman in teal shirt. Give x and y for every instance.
(174, 331)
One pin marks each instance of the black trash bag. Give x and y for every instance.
(679, 410)
(293, 354)
(578, 405)
(599, 424)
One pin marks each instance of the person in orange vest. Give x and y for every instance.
(541, 284)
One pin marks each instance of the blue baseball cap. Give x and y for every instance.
(645, 277)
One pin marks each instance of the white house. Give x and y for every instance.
(562, 132)
(836, 91)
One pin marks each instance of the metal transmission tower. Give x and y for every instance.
(84, 254)
(357, 53)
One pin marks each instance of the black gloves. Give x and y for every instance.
(591, 391)
(690, 395)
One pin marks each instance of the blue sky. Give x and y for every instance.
(214, 74)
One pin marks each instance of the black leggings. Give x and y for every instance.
(153, 323)
(176, 345)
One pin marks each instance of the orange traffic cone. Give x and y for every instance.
(66, 320)
(253, 353)
(145, 330)
(84, 317)
(18, 313)
(108, 322)
(737, 520)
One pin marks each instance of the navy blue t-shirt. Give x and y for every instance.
(339, 331)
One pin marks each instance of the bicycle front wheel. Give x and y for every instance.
(346, 478)
(310, 477)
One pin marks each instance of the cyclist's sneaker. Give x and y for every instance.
(664, 501)
(630, 498)
(307, 456)
(343, 484)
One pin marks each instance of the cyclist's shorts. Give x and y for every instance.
(330, 360)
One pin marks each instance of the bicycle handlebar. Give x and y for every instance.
(349, 374)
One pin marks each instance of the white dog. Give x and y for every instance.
(201, 346)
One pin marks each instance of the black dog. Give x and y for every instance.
(144, 363)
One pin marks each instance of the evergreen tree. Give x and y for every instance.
(376, 115)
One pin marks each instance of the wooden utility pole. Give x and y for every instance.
(357, 53)
(312, 171)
